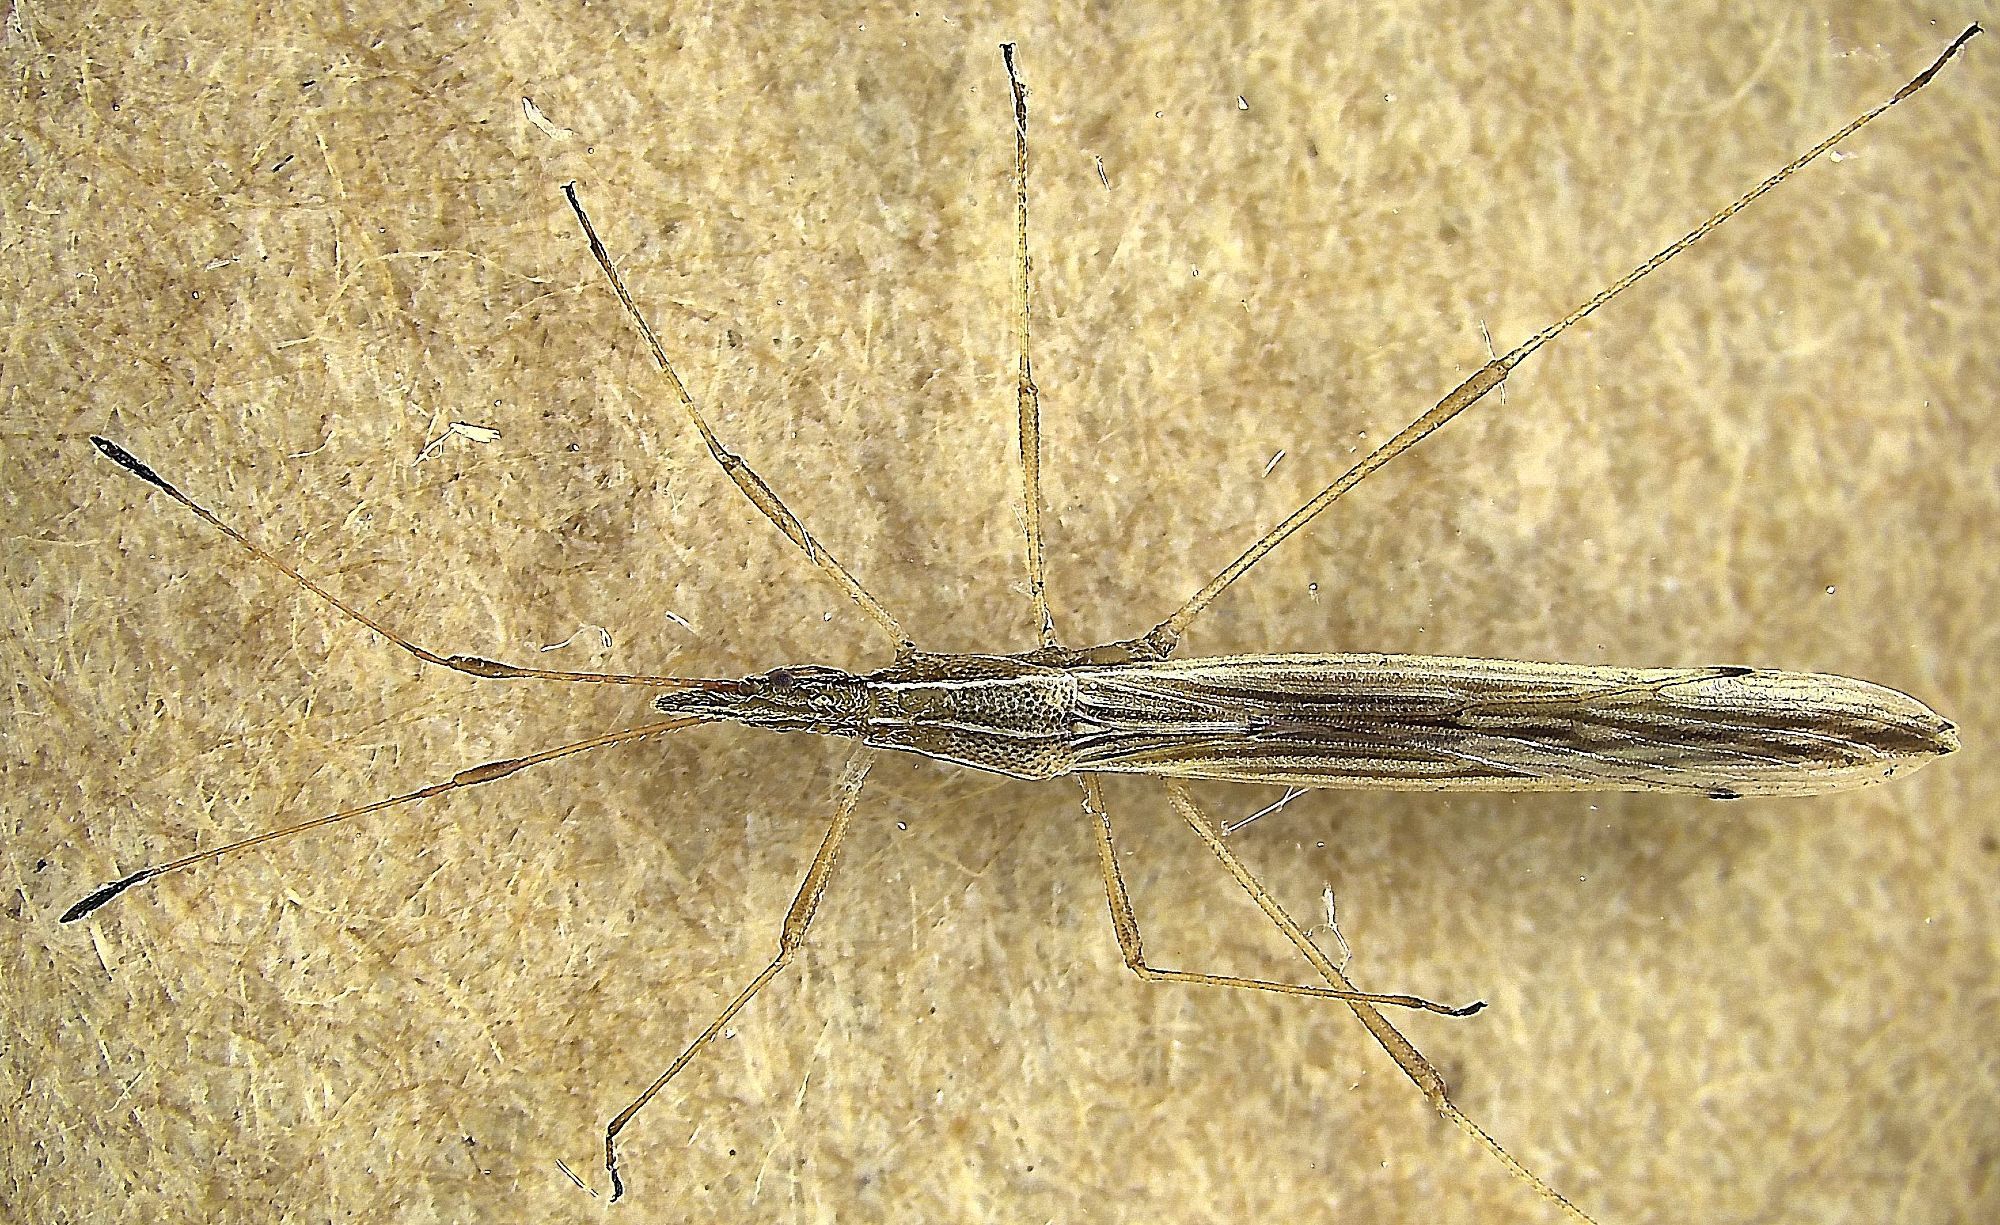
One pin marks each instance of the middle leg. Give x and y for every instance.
(1125, 922)
(1027, 397)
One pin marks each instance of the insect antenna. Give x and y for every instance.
(471, 665)
(471, 777)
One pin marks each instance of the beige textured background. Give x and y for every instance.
(276, 248)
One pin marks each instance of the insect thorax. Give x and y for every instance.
(997, 713)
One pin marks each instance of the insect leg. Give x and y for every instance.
(790, 936)
(1391, 1039)
(1159, 642)
(761, 495)
(1028, 397)
(1125, 922)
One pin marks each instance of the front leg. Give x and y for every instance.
(791, 936)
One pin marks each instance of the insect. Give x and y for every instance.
(1130, 707)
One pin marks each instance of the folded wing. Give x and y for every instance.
(1407, 722)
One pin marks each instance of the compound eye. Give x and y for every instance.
(781, 678)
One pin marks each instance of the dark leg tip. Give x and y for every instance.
(611, 1165)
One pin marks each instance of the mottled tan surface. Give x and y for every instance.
(276, 248)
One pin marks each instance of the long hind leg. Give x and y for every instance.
(1159, 642)
(1391, 1039)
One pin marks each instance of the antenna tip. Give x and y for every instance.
(105, 894)
(130, 462)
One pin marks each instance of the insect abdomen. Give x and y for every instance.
(1441, 723)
